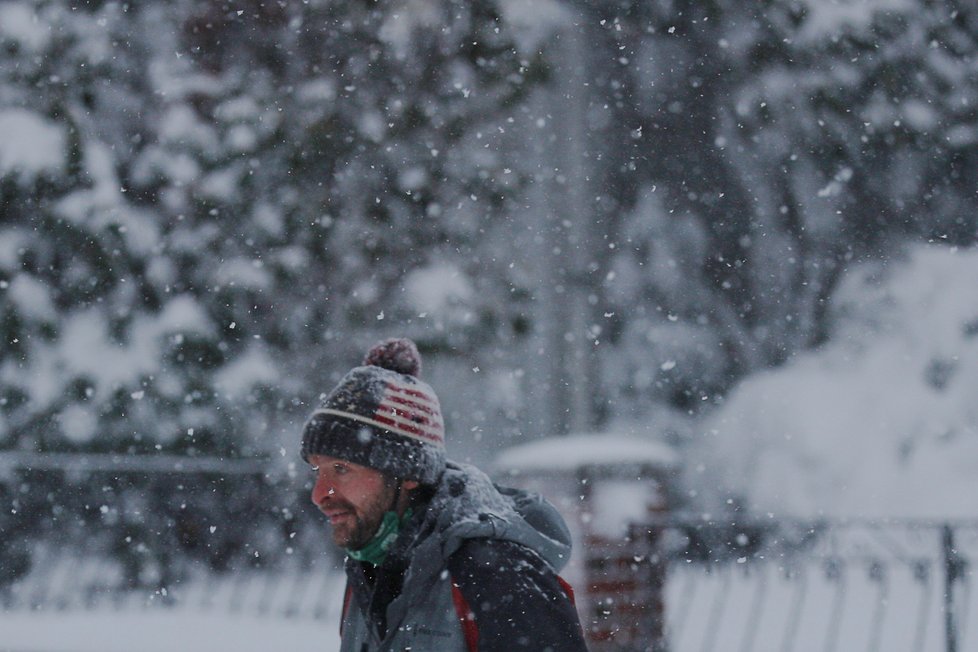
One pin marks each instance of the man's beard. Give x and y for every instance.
(356, 531)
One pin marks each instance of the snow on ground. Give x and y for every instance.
(163, 631)
(881, 421)
(66, 604)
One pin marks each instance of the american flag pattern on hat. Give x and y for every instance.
(405, 410)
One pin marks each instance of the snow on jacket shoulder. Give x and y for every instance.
(476, 569)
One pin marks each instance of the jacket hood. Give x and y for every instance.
(467, 505)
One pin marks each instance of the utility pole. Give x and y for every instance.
(953, 567)
(573, 370)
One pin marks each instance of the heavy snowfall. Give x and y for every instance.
(737, 238)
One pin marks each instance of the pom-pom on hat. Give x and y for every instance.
(382, 416)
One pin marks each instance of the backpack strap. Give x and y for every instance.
(346, 606)
(466, 619)
(568, 589)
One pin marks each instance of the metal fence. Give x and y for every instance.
(771, 586)
(75, 555)
(64, 582)
(828, 586)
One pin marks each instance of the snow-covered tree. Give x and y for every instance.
(198, 199)
(792, 138)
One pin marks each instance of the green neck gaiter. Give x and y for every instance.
(375, 552)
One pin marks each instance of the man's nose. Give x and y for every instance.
(322, 490)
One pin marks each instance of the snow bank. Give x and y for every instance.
(882, 421)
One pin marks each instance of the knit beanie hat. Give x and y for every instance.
(381, 416)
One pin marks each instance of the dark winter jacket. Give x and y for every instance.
(475, 569)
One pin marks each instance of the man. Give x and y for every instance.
(438, 558)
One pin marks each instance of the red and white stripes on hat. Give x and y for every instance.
(404, 410)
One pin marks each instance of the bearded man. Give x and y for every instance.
(438, 557)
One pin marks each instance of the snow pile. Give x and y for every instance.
(880, 422)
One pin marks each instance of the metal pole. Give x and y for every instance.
(951, 567)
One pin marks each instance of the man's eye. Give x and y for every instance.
(340, 469)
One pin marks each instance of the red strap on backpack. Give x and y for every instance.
(568, 589)
(346, 606)
(466, 619)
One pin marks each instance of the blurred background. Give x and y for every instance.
(741, 231)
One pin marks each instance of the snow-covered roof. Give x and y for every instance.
(569, 452)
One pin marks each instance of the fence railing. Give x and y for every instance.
(671, 586)
(62, 581)
(785, 585)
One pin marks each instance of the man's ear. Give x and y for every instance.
(410, 484)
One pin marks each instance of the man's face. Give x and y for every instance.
(353, 497)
